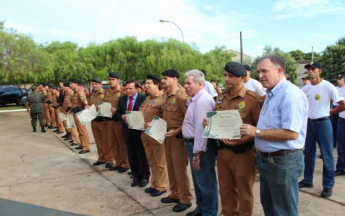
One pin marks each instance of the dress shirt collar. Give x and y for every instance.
(134, 97)
(276, 88)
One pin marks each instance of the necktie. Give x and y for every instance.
(130, 104)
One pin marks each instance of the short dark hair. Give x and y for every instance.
(132, 81)
(275, 59)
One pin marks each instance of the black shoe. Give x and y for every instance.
(43, 130)
(66, 135)
(327, 192)
(302, 184)
(168, 199)
(59, 132)
(67, 138)
(49, 127)
(97, 163)
(52, 127)
(338, 173)
(84, 151)
(74, 144)
(33, 129)
(180, 207)
(71, 141)
(149, 190)
(46, 125)
(108, 165)
(156, 193)
(56, 130)
(135, 182)
(122, 170)
(114, 168)
(78, 148)
(193, 213)
(143, 183)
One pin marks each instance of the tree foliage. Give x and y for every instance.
(299, 55)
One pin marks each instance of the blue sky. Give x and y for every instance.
(287, 24)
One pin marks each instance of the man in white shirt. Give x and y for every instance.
(252, 84)
(340, 167)
(320, 93)
(209, 87)
(305, 80)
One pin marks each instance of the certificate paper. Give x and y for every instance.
(70, 120)
(62, 116)
(157, 129)
(135, 120)
(87, 115)
(223, 124)
(104, 110)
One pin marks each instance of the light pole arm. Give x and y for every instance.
(162, 21)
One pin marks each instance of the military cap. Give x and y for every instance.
(171, 73)
(97, 80)
(340, 76)
(72, 80)
(62, 80)
(247, 67)
(313, 65)
(43, 84)
(235, 68)
(152, 77)
(52, 86)
(114, 75)
(66, 84)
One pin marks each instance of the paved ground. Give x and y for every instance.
(42, 175)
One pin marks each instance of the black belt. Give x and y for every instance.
(238, 149)
(188, 139)
(319, 119)
(278, 153)
(341, 119)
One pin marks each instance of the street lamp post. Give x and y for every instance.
(163, 21)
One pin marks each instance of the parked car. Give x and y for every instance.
(10, 94)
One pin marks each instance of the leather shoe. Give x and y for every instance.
(338, 173)
(302, 184)
(67, 138)
(74, 144)
(149, 190)
(59, 132)
(43, 130)
(114, 168)
(84, 151)
(156, 193)
(193, 213)
(168, 199)
(64, 136)
(135, 182)
(122, 170)
(78, 148)
(180, 207)
(97, 163)
(143, 183)
(56, 130)
(327, 192)
(108, 165)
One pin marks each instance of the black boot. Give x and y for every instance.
(33, 129)
(43, 130)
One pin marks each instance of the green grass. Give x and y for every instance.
(11, 107)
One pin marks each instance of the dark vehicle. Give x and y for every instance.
(10, 94)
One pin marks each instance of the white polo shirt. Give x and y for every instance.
(210, 89)
(319, 98)
(342, 92)
(255, 86)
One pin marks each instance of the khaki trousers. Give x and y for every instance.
(117, 144)
(47, 114)
(83, 135)
(177, 161)
(59, 124)
(99, 130)
(52, 115)
(236, 177)
(155, 155)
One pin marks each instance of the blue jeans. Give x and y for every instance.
(205, 181)
(279, 183)
(341, 145)
(320, 132)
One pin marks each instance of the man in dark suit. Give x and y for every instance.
(136, 153)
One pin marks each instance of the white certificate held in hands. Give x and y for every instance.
(62, 116)
(135, 120)
(87, 115)
(223, 124)
(157, 129)
(70, 120)
(104, 110)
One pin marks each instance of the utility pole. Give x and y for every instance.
(312, 53)
(241, 47)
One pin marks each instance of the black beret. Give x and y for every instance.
(235, 68)
(43, 84)
(247, 67)
(171, 73)
(97, 80)
(313, 65)
(114, 75)
(66, 84)
(51, 86)
(152, 77)
(74, 81)
(62, 80)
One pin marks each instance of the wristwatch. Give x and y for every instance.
(257, 133)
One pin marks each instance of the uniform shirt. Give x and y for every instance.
(198, 106)
(174, 108)
(286, 107)
(97, 97)
(255, 86)
(79, 98)
(152, 106)
(210, 89)
(342, 92)
(319, 98)
(67, 102)
(112, 96)
(35, 101)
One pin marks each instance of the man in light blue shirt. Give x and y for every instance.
(279, 136)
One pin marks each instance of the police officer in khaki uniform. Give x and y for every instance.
(78, 103)
(55, 106)
(99, 124)
(155, 152)
(116, 140)
(237, 158)
(51, 110)
(174, 109)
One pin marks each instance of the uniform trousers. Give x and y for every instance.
(46, 114)
(236, 176)
(59, 124)
(117, 144)
(341, 145)
(83, 135)
(177, 162)
(99, 130)
(52, 115)
(155, 155)
(34, 117)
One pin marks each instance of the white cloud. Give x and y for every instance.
(307, 8)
